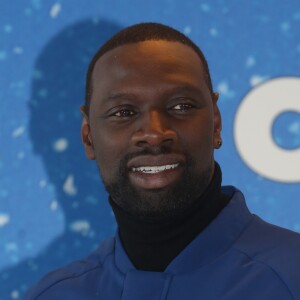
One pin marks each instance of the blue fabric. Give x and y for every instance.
(238, 256)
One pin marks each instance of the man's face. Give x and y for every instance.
(152, 126)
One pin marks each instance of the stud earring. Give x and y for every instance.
(218, 139)
(219, 144)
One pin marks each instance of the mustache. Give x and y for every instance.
(149, 150)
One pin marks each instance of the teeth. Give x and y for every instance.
(154, 169)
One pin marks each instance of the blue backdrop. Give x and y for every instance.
(53, 208)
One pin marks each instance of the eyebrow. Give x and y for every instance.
(173, 90)
(188, 88)
(184, 88)
(176, 89)
(118, 95)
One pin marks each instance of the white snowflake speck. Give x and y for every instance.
(55, 10)
(53, 205)
(223, 88)
(2, 55)
(15, 294)
(205, 7)
(4, 219)
(42, 183)
(187, 30)
(80, 226)
(20, 155)
(69, 187)
(60, 145)
(18, 50)
(8, 28)
(213, 32)
(285, 26)
(257, 79)
(296, 16)
(250, 62)
(18, 131)
(11, 247)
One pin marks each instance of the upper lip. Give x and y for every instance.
(155, 160)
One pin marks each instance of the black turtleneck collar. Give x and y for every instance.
(151, 246)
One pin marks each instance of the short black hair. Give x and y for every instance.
(139, 33)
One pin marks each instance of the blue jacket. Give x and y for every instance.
(237, 257)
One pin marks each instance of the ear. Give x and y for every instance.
(86, 134)
(217, 122)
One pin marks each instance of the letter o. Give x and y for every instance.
(253, 129)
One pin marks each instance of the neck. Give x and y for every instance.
(153, 244)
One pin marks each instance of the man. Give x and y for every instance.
(151, 122)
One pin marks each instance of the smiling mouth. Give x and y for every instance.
(155, 169)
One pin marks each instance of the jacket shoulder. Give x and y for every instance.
(275, 247)
(56, 280)
(268, 241)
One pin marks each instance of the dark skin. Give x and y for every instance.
(153, 123)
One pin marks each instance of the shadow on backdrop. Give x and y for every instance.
(57, 92)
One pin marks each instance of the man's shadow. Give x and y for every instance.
(57, 92)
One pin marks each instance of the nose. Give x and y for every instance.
(153, 130)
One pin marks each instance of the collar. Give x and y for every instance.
(152, 244)
(213, 241)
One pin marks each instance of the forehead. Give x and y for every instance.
(154, 61)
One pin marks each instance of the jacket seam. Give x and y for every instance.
(99, 265)
(269, 267)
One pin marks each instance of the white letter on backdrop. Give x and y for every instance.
(253, 129)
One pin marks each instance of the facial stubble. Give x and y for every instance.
(165, 202)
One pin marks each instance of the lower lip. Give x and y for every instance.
(158, 180)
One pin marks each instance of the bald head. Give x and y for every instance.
(139, 33)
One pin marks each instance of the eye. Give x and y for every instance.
(124, 113)
(182, 107)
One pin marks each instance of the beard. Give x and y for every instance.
(158, 203)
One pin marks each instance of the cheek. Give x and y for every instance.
(198, 144)
(109, 150)
(197, 141)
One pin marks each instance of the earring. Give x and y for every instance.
(219, 143)
(218, 139)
